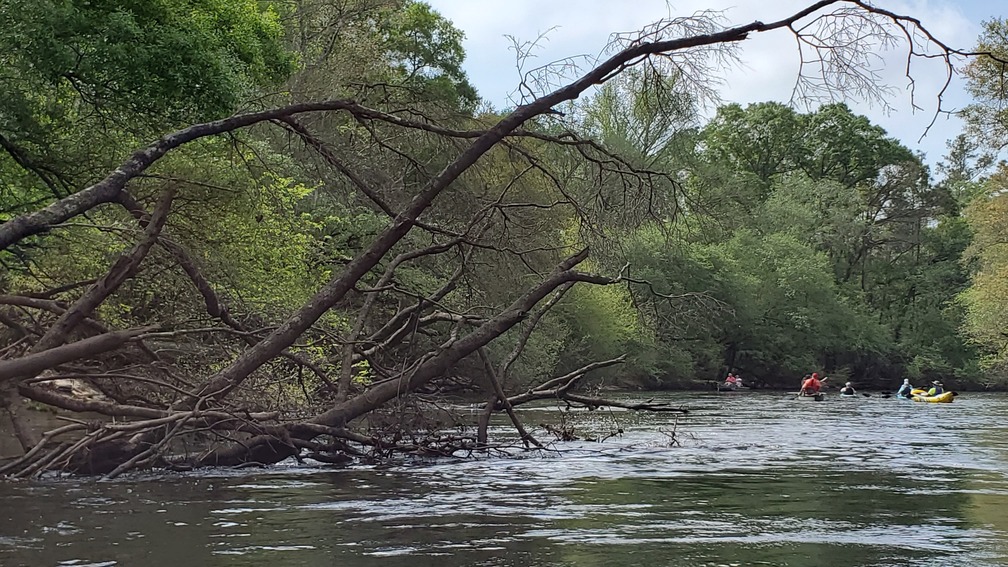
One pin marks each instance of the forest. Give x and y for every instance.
(236, 232)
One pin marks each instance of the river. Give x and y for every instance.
(755, 479)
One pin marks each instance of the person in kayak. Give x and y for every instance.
(731, 381)
(936, 388)
(847, 390)
(905, 389)
(812, 385)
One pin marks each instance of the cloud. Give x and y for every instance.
(768, 62)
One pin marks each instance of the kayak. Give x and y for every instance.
(813, 398)
(945, 398)
(725, 387)
(921, 396)
(848, 395)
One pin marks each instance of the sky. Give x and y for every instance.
(768, 61)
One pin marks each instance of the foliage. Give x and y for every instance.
(164, 60)
(426, 51)
(816, 240)
(89, 81)
(763, 140)
(603, 324)
(642, 114)
(987, 117)
(986, 300)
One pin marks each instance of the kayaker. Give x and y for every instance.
(731, 381)
(847, 390)
(905, 389)
(738, 381)
(936, 388)
(811, 386)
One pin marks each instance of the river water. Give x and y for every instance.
(753, 479)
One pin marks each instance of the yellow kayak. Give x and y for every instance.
(921, 396)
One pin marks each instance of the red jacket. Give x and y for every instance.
(811, 385)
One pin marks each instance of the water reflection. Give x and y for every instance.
(758, 480)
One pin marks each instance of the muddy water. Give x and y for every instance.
(755, 479)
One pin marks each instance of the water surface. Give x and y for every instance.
(751, 479)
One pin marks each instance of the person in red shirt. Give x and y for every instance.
(811, 385)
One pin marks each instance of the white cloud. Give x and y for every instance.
(768, 61)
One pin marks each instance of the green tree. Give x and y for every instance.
(86, 81)
(987, 118)
(986, 300)
(426, 51)
(848, 148)
(165, 61)
(764, 139)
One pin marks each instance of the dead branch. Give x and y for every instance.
(50, 305)
(495, 388)
(122, 269)
(346, 369)
(558, 387)
(593, 403)
(498, 396)
(215, 306)
(32, 364)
